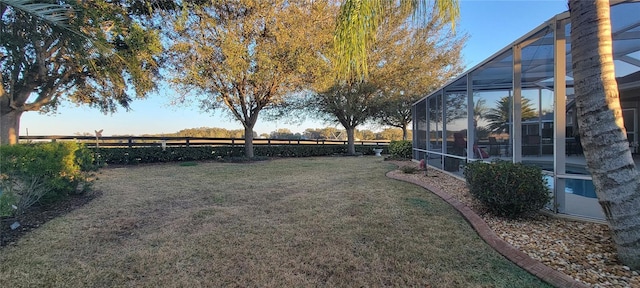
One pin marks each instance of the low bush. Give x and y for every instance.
(507, 189)
(401, 149)
(132, 156)
(8, 200)
(129, 156)
(30, 173)
(409, 169)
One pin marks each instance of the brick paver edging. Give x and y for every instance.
(516, 256)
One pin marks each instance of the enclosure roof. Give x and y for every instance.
(537, 54)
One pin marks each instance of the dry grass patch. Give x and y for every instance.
(290, 222)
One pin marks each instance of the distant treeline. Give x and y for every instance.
(212, 132)
(330, 133)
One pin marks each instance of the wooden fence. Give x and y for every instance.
(158, 141)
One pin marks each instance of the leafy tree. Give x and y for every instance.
(42, 64)
(212, 132)
(498, 117)
(247, 56)
(606, 149)
(482, 132)
(348, 103)
(480, 111)
(421, 61)
(356, 101)
(455, 108)
(205, 132)
(358, 23)
(284, 133)
(311, 133)
(323, 133)
(601, 128)
(392, 134)
(366, 135)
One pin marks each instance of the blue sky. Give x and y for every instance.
(491, 25)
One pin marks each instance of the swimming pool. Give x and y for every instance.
(579, 187)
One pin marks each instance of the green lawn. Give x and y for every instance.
(335, 221)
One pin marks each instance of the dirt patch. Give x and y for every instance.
(38, 215)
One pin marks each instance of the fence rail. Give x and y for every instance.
(151, 141)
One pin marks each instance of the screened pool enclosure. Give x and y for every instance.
(518, 105)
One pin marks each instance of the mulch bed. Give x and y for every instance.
(38, 215)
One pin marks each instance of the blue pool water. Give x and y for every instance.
(580, 187)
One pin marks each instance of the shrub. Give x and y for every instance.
(409, 169)
(45, 171)
(8, 200)
(401, 149)
(507, 189)
(128, 156)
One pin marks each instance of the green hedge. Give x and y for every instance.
(401, 149)
(507, 189)
(128, 156)
(32, 173)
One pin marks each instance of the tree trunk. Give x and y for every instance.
(601, 126)
(351, 143)
(9, 126)
(248, 142)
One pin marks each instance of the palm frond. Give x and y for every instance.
(55, 14)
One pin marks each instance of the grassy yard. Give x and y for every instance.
(290, 222)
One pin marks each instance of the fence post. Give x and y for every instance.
(130, 141)
(233, 142)
(187, 141)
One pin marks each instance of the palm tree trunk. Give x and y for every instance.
(601, 126)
